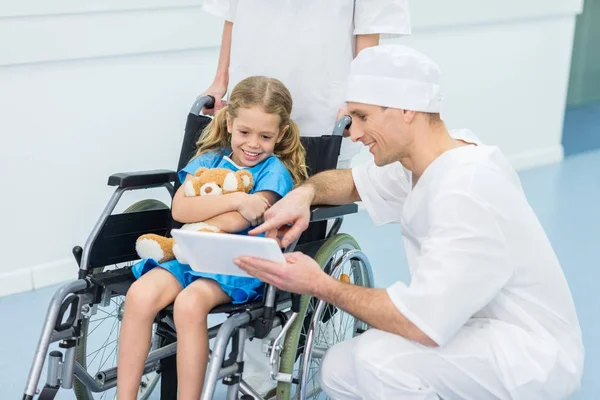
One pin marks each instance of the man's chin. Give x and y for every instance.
(378, 161)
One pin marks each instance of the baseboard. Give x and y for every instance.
(537, 157)
(37, 276)
(15, 282)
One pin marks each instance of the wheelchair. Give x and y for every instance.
(82, 310)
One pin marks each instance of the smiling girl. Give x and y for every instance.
(253, 132)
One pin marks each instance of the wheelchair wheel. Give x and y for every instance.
(320, 325)
(97, 347)
(146, 205)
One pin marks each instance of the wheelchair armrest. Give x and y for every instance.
(156, 177)
(323, 213)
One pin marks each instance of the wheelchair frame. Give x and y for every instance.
(254, 320)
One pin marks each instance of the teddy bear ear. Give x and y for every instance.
(246, 178)
(200, 171)
(230, 183)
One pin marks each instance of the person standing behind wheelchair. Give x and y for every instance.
(255, 133)
(308, 45)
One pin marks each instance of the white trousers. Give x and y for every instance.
(379, 365)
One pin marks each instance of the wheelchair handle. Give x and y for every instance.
(342, 124)
(73, 303)
(207, 101)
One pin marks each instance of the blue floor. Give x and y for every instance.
(581, 129)
(565, 196)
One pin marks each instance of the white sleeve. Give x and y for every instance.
(382, 190)
(225, 9)
(462, 266)
(386, 17)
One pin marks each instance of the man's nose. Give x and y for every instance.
(355, 133)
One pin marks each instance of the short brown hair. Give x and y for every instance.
(432, 118)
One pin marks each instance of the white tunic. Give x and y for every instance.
(478, 256)
(308, 45)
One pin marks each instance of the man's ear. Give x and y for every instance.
(409, 116)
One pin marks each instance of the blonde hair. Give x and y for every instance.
(274, 98)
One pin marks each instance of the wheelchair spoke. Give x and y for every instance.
(103, 361)
(114, 351)
(103, 318)
(101, 354)
(106, 343)
(102, 348)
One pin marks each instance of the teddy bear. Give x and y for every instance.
(205, 182)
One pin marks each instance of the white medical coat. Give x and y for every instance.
(308, 45)
(477, 254)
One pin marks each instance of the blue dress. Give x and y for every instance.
(269, 175)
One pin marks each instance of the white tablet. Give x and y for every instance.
(215, 252)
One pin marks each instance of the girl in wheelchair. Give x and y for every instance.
(254, 132)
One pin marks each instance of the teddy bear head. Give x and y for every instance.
(216, 181)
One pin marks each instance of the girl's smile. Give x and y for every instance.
(254, 134)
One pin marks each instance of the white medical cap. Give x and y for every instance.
(395, 76)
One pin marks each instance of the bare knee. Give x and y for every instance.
(143, 299)
(193, 304)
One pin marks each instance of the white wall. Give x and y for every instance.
(90, 88)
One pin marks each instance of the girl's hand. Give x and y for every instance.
(252, 207)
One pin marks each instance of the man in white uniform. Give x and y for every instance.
(308, 45)
(488, 313)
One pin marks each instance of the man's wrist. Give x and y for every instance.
(324, 288)
(309, 190)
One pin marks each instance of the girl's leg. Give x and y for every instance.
(145, 298)
(191, 310)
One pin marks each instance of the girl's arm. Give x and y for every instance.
(201, 208)
(230, 222)
(233, 221)
(220, 211)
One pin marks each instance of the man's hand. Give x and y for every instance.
(292, 209)
(217, 90)
(300, 274)
(252, 207)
